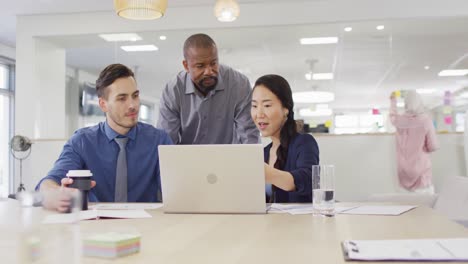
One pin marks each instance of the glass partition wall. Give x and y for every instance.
(342, 75)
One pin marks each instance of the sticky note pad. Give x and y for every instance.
(111, 245)
(34, 249)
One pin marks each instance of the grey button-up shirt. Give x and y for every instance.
(222, 117)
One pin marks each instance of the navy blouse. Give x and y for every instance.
(303, 152)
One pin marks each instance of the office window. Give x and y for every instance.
(3, 77)
(359, 123)
(6, 119)
(146, 113)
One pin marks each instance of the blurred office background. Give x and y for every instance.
(51, 52)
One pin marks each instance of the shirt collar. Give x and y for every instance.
(190, 87)
(111, 134)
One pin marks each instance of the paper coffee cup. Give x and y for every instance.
(79, 173)
(82, 182)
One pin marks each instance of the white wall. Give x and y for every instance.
(40, 89)
(40, 94)
(44, 153)
(7, 51)
(366, 164)
(50, 80)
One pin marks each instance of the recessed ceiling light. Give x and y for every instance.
(380, 27)
(162, 37)
(427, 67)
(322, 76)
(459, 72)
(319, 112)
(348, 29)
(313, 97)
(308, 76)
(139, 48)
(120, 37)
(426, 91)
(316, 41)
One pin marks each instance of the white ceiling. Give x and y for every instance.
(9, 9)
(368, 64)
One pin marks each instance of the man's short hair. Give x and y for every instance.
(109, 75)
(199, 40)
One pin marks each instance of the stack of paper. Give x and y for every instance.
(297, 209)
(409, 250)
(379, 209)
(111, 245)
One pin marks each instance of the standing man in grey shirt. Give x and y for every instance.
(207, 103)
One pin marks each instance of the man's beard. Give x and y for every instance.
(204, 88)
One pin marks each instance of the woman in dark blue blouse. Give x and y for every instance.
(290, 156)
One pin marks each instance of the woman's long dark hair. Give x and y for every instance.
(280, 87)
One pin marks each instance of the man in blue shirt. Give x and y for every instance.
(97, 149)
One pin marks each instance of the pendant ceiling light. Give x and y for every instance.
(226, 10)
(140, 9)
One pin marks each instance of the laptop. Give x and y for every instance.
(225, 179)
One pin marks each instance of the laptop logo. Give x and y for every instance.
(212, 178)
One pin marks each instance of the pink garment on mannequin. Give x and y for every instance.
(415, 139)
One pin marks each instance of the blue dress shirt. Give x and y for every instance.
(94, 148)
(303, 152)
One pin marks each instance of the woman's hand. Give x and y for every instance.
(281, 179)
(59, 198)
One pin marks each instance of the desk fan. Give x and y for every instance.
(20, 148)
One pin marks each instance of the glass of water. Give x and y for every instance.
(323, 189)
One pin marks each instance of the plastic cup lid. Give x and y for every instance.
(79, 173)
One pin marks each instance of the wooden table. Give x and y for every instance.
(270, 238)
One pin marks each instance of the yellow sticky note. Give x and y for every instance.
(447, 110)
(328, 123)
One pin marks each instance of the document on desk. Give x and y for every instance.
(407, 250)
(298, 209)
(291, 208)
(126, 206)
(95, 214)
(379, 210)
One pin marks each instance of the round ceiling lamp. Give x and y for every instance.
(140, 9)
(226, 10)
